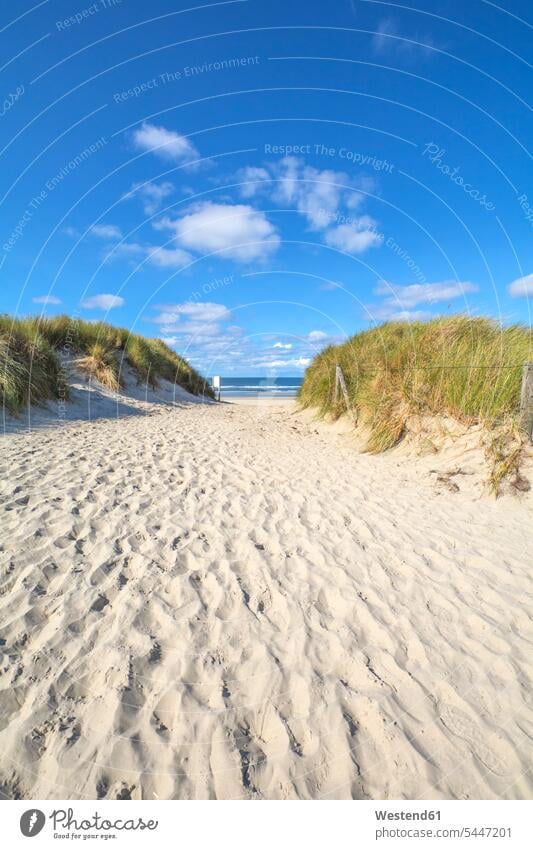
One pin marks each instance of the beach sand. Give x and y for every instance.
(229, 601)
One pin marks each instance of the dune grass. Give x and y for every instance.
(468, 368)
(102, 365)
(32, 349)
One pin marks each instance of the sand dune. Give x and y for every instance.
(230, 602)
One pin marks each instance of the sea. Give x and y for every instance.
(256, 387)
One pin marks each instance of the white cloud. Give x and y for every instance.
(239, 231)
(522, 287)
(295, 362)
(46, 299)
(106, 231)
(103, 302)
(383, 39)
(127, 250)
(406, 297)
(251, 179)
(204, 333)
(158, 256)
(152, 195)
(400, 301)
(196, 318)
(168, 257)
(317, 195)
(356, 237)
(320, 198)
(388, 39)
(167, 144)
(381, 313)
(287, 173)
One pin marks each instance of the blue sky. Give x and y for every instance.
(252, 181)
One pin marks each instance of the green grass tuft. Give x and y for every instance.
(30, 371)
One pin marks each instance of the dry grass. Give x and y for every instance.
(505, 450)
(101, 365)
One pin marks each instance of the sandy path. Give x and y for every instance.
(223, 602)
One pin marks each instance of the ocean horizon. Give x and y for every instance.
(265, 386)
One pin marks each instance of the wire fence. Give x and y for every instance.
(526, 393)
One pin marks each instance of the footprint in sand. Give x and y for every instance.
(462, 726)
(99, 604)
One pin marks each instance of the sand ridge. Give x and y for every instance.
(226, 601)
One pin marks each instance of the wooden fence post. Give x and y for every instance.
(340, 381)
(526, 399)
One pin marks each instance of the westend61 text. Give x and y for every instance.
(407, 815)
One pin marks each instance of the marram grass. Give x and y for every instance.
(31, 352)
(468, 368)
(102, 365)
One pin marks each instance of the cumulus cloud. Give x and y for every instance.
(159, 257)
(46, 299)
(238, 231)
(167, 144)
(522, 287)
(205, 332)
(168, 257)
(251, 179)
(319, 196)
(316, 194)
(387, 313)
(199, 320)
(152, 195)
(319, 199)
(125, 250)
(202, 330)
(103, 302)
(356, 237)
(407, 297)
(106, 231)
(400, 301)
(287, 173)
